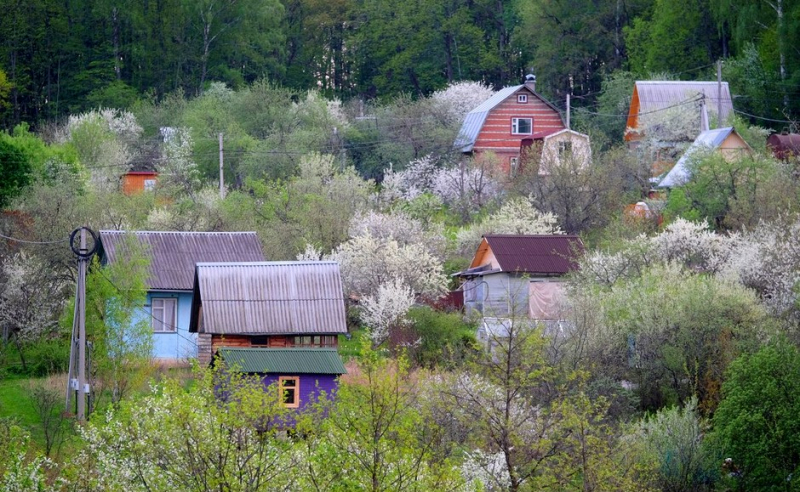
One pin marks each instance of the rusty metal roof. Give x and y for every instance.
(280, 297)
(537, 255)
(173, 254)
(659, 94)
(283, 360)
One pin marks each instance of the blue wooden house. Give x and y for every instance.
(173, 256)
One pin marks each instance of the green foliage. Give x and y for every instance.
(16, 170)
(377, 436)
(678, 37)
(672, 333)
(442, 339)
(117, 323)
(673, 440)
(734, 193)
(756, 424)
(218, 435)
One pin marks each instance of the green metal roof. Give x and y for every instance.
(283, 360)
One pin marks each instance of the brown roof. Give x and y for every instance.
(543, 255)
(276, 297)
(174, 254)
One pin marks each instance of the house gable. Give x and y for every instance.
(654, 95)
(724, 140)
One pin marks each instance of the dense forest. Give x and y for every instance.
(62, 57)
(327, 128)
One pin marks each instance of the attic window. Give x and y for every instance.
(564, 148)
(522, 98)
(521, 126)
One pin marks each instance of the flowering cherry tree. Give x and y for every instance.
(386, 310)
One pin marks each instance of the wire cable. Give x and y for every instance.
(25, 241)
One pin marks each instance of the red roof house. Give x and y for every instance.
(518, 276)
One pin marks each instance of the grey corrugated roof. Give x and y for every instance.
(283, 360)
(659, 94)
(280, 297)
(707, 140)
(174, 254)
(474, 120)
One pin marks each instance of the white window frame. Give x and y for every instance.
(149, 184)
(515, 126)
(522, 98)
(158, 310)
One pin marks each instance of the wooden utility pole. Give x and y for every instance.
(719, 93)
(221, 180)
(568, 127)
(82, 330)
(77, 379)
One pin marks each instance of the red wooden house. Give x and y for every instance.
(512, 121)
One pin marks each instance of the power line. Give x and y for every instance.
(763, 118)
(25, 241)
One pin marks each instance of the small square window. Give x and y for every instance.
(564, 148)
(521, 126)
(165, 314)
(289, 387)
(149, 184)
(522, 98)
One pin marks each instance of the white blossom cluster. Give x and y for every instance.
(28, 305)
(766, 259)
(464, 185)
(516, 216)
(386, 309)
(459, 98)
(486, 471)
(399, 226)
(366, 262)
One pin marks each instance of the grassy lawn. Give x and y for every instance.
(349, 349)
(15, 402)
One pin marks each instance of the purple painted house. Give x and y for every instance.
(300, 374)
(280, 319)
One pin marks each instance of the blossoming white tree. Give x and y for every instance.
(386, 310)
(516, 216)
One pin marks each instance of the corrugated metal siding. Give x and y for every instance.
(542, 255)
(271, 298)
(489, 125)
(283, 361)
(656, 95)
(174, 254)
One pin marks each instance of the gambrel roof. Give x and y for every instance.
(263, 298)
(475, 119)
(173, 254)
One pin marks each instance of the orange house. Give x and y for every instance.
(134, 182)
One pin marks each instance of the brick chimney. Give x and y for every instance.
(530, 82)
